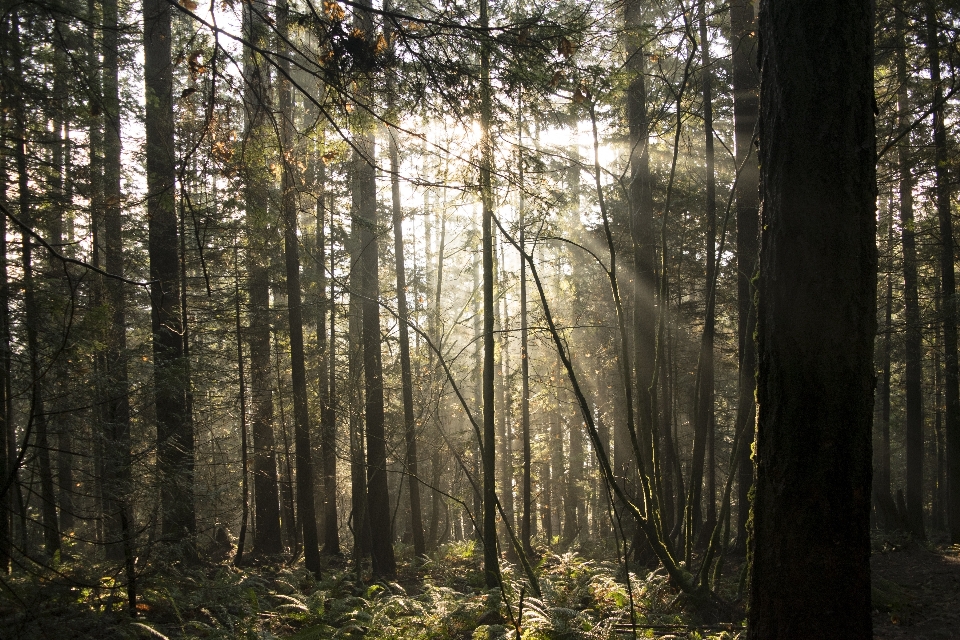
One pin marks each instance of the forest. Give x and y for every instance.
(479, 319)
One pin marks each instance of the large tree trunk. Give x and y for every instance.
(816, 322)
(117, 458)
(365, 209)
(745, 84)
(174, 424)
(267, 539)
(298, 367)
(913, 336)
(6, 451)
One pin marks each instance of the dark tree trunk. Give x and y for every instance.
(881, 485)
(298, 368)
(913, 336)
(745, 85)
(951, 370)
(174, 424)
(409, 422)
(365, 210)
(528, 517)
(327, 375)
(7, 477)
(491, 556)
(358, 482)
(117, 403)
(816, 322)
(703, 443)
(267, 539)
(37, 417)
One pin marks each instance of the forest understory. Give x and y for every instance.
(916, 595)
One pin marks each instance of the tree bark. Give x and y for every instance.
(913, 337)
(37, 417)
(365, 208)
(951, 377)
(816, 322)
(117, 403)
(746, 82)
(491, 557)
(174, 424)
(267, 539)
(298, 367)
(409, 422)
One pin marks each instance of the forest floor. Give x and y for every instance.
(916, 595)
(916, 591)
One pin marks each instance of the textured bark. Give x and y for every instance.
(913, 337)
(6, 432)
(174, 425)
(816, 322)
(267, 538)
(746, 82)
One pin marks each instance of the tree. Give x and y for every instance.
(291, 250)
(913, 338)
(947, 274)
(816, 322)
(365, 201)
(118, 514)
(267, 538)
(175, 464)
(745, 84)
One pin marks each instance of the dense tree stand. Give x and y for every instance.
(816, 322)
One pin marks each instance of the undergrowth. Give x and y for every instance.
(440, 598)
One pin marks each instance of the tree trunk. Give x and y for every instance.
(327, 377)
(37, 418)
(117, 457)
(913, 336)
(528, 516)
(746, 81)
(298, 368)
(703, 443)
(951, 370)
(365, 210)
(267, 539)
(816, 322)
(174, 425)
(7, 475)
(409, 422)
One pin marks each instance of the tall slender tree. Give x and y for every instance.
(291, 249)
(175, 442)
(267, 538)
(951, 378)
(365, 210)
(913, 330)
(746, 82)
